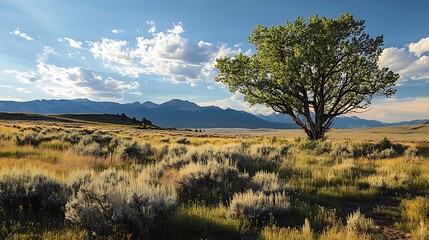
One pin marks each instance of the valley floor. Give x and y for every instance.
(80, 180)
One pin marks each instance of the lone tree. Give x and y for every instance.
(312, 70)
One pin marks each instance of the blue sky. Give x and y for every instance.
(127, 51)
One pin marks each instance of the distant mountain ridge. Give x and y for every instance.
(181, 114)
(344, 122)
(174, 113)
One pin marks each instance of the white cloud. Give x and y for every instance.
(74, 82)
(166, 54)
(23, 90)
(136, 93)
(396, 110)
(73, 43)
(24, 77)
(110, 50)
(47, 51)
(20, 34)
(420, 47)
(116, 31)
(152, 28)
(408, 62)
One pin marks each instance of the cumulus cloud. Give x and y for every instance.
(110, 50)
(73, 43)
(409, 62)
(165, 54)
(420, 47)
(74, 82)
(116, 31)
(20, 34)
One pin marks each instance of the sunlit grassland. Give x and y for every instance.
(116, 181)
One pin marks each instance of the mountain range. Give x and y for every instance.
(343, 122)
(180, 114)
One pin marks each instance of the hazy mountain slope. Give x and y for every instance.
(174, 113)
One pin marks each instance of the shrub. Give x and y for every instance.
(91, 149)
(115, 202)
(316, 147)
(257, 205)
(411, 153)
(278, 233)
(342, 149)
(163, 151)
(23, 192)
(5, 137)
(32, 139)
(387, 144)
(134, 151)
(73, 138)
(178, 150)
(357, 223)
(210, 182)
(389, 179)
(183, 141)
(383, 154)
(415, 210)
(266, 150)
(422, 231)
(55, 145)
(266, 182)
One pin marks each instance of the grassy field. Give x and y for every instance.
(83, 180)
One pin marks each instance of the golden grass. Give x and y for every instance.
(319, 178)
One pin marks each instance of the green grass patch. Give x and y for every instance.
(19, 153)
(200, 222)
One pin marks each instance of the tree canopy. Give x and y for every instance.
(312, 70)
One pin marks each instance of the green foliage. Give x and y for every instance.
(323, 66)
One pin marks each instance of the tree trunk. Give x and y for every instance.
(313, 134)
(319, 133)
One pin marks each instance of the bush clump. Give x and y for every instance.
(266, 182)
(134, 151)
(357, 223)
(114, 202)
(22, 193)
(210, 182)
(258, 205)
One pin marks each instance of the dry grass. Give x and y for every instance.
(273, 162)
